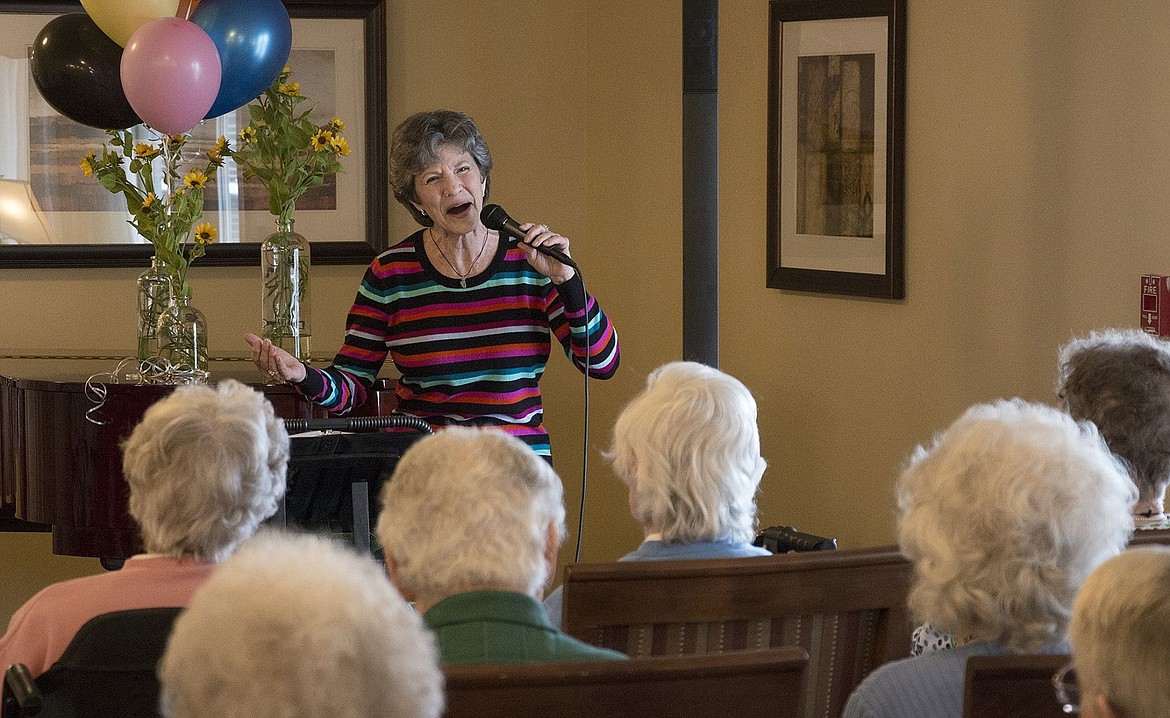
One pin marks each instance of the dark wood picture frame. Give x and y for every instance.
(373, 15)
(835, 271)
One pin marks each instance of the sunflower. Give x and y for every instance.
(195, 180)
(149, 200)
(215, 154)
(340, 145)
(146, 151)
(323, 140)
(87, 164)
(205, 234)
(292, 89)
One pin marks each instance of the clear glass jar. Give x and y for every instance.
(284, 292)
(182, 343)
(154, 294)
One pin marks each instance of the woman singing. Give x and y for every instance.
(464, 313)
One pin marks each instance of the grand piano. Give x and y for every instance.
(60, 457)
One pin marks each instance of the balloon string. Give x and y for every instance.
(171, 175)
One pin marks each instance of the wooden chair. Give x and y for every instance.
(847, 609)
(765, 683)
(1011, 687)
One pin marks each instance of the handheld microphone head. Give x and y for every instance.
(494, 217)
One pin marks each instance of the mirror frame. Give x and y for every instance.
(373, 13)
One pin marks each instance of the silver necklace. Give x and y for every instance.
(462, 276)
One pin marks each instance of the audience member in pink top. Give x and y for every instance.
(205, 466)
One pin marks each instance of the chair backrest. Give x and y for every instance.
(847, 609)
(108, 668)
(1150, 536)
(766, 683)
(1011, 686)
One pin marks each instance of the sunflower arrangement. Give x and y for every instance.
(163, 203)
(284, 149)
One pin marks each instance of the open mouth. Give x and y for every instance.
(459, 209)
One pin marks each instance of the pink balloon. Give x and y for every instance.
(170, 73)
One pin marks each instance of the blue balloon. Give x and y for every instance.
(254, 38)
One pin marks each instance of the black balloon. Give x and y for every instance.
(77, 69)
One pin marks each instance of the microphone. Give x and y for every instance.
(494, 217)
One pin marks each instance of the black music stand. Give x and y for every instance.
(324, 467)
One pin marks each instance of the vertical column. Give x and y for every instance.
(700, 185)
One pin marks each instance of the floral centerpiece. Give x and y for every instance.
(163, 208)
(164, 205)
(283, 149)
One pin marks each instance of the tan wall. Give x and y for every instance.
(1035, 164)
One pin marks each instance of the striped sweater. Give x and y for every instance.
(470, 355)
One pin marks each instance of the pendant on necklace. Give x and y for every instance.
(463, 283)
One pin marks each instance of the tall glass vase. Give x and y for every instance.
(284, 302)
(182, 342)
(154, 294)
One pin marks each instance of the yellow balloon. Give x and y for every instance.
(120, 18)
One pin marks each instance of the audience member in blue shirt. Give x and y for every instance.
(688, 448)
(1003, 517)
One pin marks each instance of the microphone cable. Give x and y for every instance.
(585, 429)
(495, 217)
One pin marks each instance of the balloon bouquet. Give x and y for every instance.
(165, 63)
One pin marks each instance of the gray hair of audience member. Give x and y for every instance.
(205, 466)
(415, 144)
(1120, 381)
(1004, 516)
(295, 625)
(1119, 626)
(470, 509)
(689, 449)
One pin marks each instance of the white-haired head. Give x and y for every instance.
(296, 626)
(471, 509)
(1004, 516)
(689, 449)
(205, 466)
(1119, 628)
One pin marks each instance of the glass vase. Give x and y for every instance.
(182, 342)
(284, 301)
(154, 293)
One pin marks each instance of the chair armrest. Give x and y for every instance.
(19, 685)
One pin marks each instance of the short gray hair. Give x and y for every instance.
(296, 625)
(415, 144)
(1004, 516)
(689, 449)
(1119, 627)
(468, 509)
(205, 466)
(1120, 380)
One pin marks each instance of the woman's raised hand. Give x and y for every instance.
(539, 235)
(274, 362)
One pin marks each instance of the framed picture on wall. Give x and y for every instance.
(836, 133)
(338, 56)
